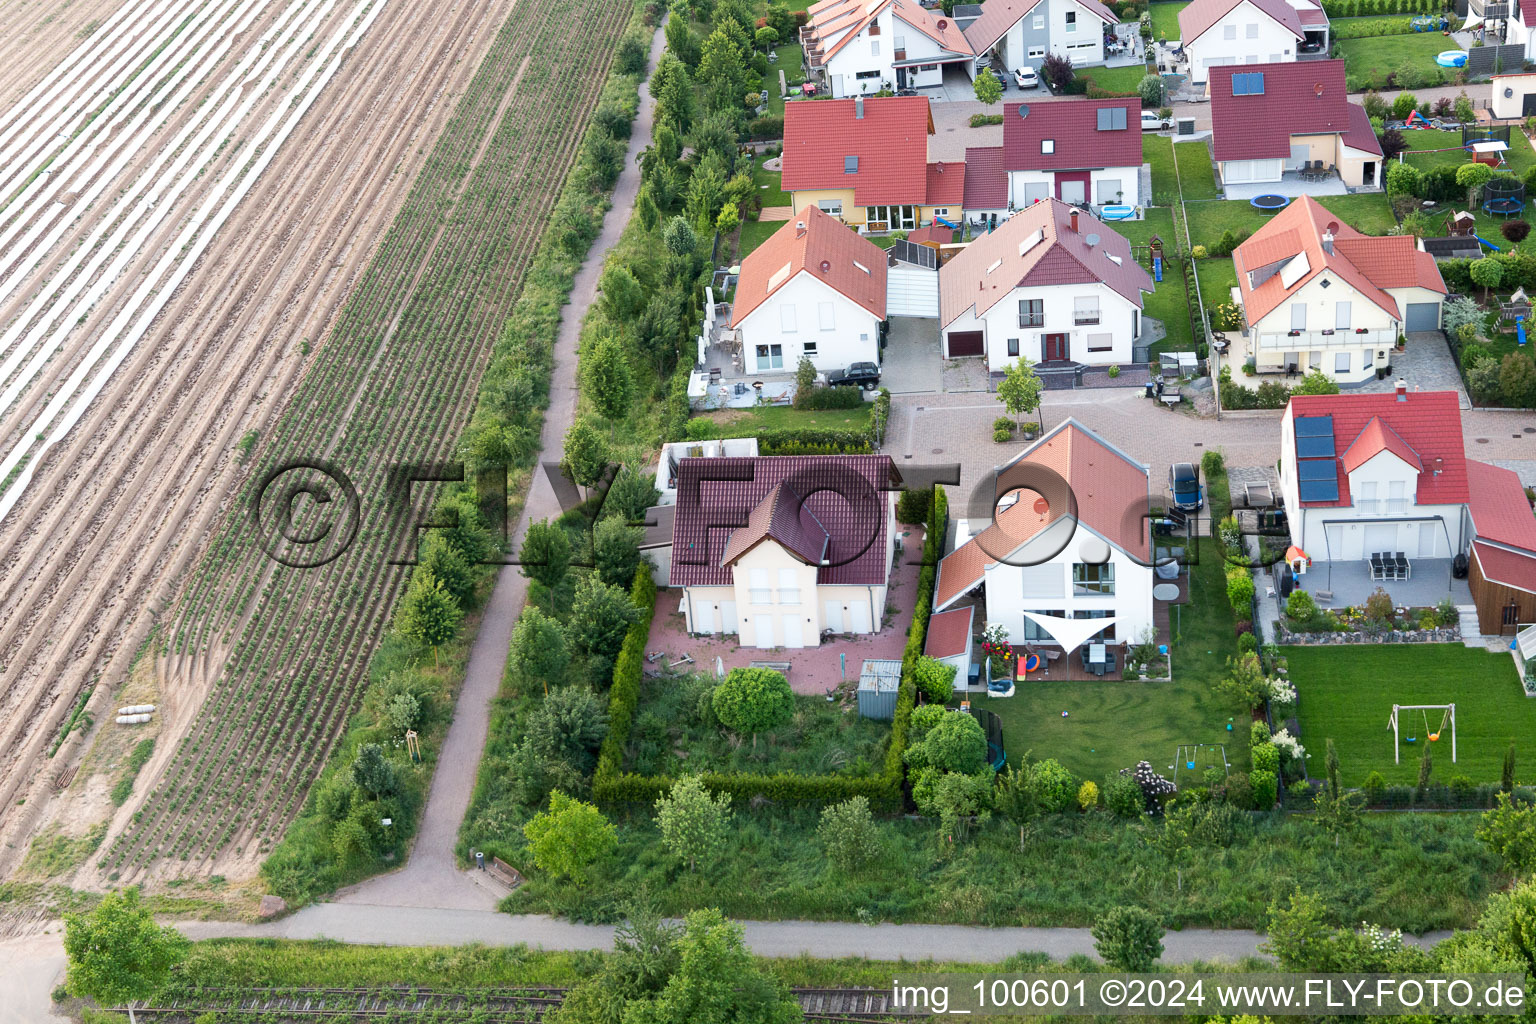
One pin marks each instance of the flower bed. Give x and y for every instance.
(1439, 635)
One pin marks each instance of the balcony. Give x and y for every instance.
(1314, 341)
(1032, 321)
(1488, 9)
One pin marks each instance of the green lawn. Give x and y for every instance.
(1118, 81)
(753, 234)
(1217, 277)
(747, 422)
(1165, 20)
(1346, 694)
(1377, 55)
(1157, 150)
(1168, 303)
(1434, 148)
(768, 186)
(1157, 222)
(791, 56)
(1197, 175)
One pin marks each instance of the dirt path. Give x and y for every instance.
(431, 877)
(93, 551)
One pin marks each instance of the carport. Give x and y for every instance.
(911, 361)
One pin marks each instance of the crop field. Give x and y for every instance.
(188, 195)
(285, 648)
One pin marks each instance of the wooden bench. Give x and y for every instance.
(505, 872)
(1323, 596)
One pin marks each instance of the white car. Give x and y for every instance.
(1026, 78)
(1150, 122)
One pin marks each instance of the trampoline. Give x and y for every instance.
(1504, 195)
(1451, 58)
(1269, 202)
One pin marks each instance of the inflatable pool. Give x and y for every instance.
(1451, 58)
(1118, 212)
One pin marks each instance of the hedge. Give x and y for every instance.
(813, 441)
(1366, 8)
(611, 785)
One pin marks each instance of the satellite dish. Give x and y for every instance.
(1318, 88)
(1023, 111)
(826, 265)
(1092, 240)
(1041, 506)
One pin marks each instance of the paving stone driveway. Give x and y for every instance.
(1426, 364)
(913, 362)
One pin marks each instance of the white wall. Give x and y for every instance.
(1272, 343)
(710, 609)
(1131, 602)
(854, 335)
(1129, 178)
(1086, 44)
(1273, 45)
(776, 599)
(1117, 317)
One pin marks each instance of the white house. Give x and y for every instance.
(1079, 151)
(1319, 295)
(1052, 284)
(1022, 32)
(814, 289)
(781, 550)
(1215, 33)
(1067, 559)
(859, 47)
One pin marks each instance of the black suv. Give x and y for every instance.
(858, 375)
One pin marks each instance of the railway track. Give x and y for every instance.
(517, 1005)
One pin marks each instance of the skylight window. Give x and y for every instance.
(1034, 239)
(861, 266)
(1047, 145)
(1294, 270)
(1249, 83)
(995, 264)
(850, 165)
(1111, 119)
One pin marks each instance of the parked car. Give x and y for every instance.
(1184, 487)
(858, 375)
(1027, 78)
(1150, 122)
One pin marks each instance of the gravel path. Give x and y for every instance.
(431, 877)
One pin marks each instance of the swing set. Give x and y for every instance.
(1194, 758)
(1400, 724)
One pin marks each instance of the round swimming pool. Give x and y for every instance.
(1451, 58)
(1269, 202)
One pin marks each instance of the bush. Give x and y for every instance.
(1240, 590)
(1515, 230)
(1266, 758)
(1247, 643)
(1300, 607)
(935, 679)
(1374, 787)
(1002, 435)
(1052, 786)
(1517, 380)
(1403, 180)
(1123, 797)
(828, 398)
(1266, 789)
(1088, 795)
(1483, 380)
(848, 833)
(913, 505)
(1128, 939)
(1379, 609)
(1239, 790)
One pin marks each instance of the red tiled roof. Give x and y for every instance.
(986, 183)
(1361, 134)
(946, 183)
(1376, 438)
(949, 633)
(1427, 422)
(782, 516)
(1199, 16)
(851, 17)
(937, 234)
(1500, 510)
(1312, 16)
(737, 489)
(890, 141)
(828, 250)
(1510, 568)
(1303, 98)
(1367, 263)
(1104, 488)
(986, 271)
(998, 16)
(1073, 127)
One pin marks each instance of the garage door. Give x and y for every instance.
(1423, 316)
(965, 343)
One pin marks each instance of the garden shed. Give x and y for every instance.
(950, 640)
(879, 679)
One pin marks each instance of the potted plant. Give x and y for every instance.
(1402, 342)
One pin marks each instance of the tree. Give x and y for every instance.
(1509, 830)
(848, 833)
(444, 561)
(374, 773)
(538, 649)
(693, 823)
(1337, 815)
(1316, 382)
(1128, 939)
(1517, 378)
(1403, 180)
(615, 551)
(682, 43)
(722, 69)
(1507, 775)
(1244, 681)
(716, 981)
(946, 741)
(657, 330)
(630, 496)
(1052, 787)
(1417, 224)
(1151, 90)
(1056, 70)
(586, 452)
(1331, 763)
(1473, 177)
(956, 799)
(632, 56)
(935, 680)
(987, 88)
(753, 700)
(1298, 936)
(728, 219)
(1515, 230)
(1483, 378)
(546, 554)
(117, 953)
(1392, 143)
(672, 87)
(569, 725)
(679, 237)
(1426, 769)
(1020, 389)
(623, 295)
(646, 208)
(1465, 112)
(429, 615)
(1486, 274)
(705, 195)
(569, 838)
(600, 616)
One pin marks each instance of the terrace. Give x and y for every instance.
(1291, 184)
(1350, 583)
(719, 379)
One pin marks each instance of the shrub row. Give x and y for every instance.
(1365, 8)
(1359, 28)
(611, 785)
(813, 441)
(828, 398)
(1409, 76)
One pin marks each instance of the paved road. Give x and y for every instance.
(431, 877)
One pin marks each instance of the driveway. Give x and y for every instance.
(1426, 364)
(912, 363)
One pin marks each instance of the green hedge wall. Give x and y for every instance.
(612, 785)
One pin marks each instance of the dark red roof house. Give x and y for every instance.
(1079, 151)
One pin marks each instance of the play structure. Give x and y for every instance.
(1489, 244)
(1155, 249)
(1269, 203)
(1405, 728)
(1451, 58)
(1504, 196)
(1416, 121)
(1194, 758)
(941, 221)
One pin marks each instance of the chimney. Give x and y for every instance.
(858, 108)
(799, 229)
(1438, 465)
(1074, 220)
(1328, 241)
(1402, 390)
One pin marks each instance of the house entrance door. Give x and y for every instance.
(1054, 347)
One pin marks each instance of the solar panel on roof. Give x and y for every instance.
(1319, 479)
(1319, 491)
(1314, 447)
(1313, 426)
(1318, 469)
(1249, 83)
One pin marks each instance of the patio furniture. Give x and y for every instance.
(1378, 567)
(1404, 569)
(1165, 592)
